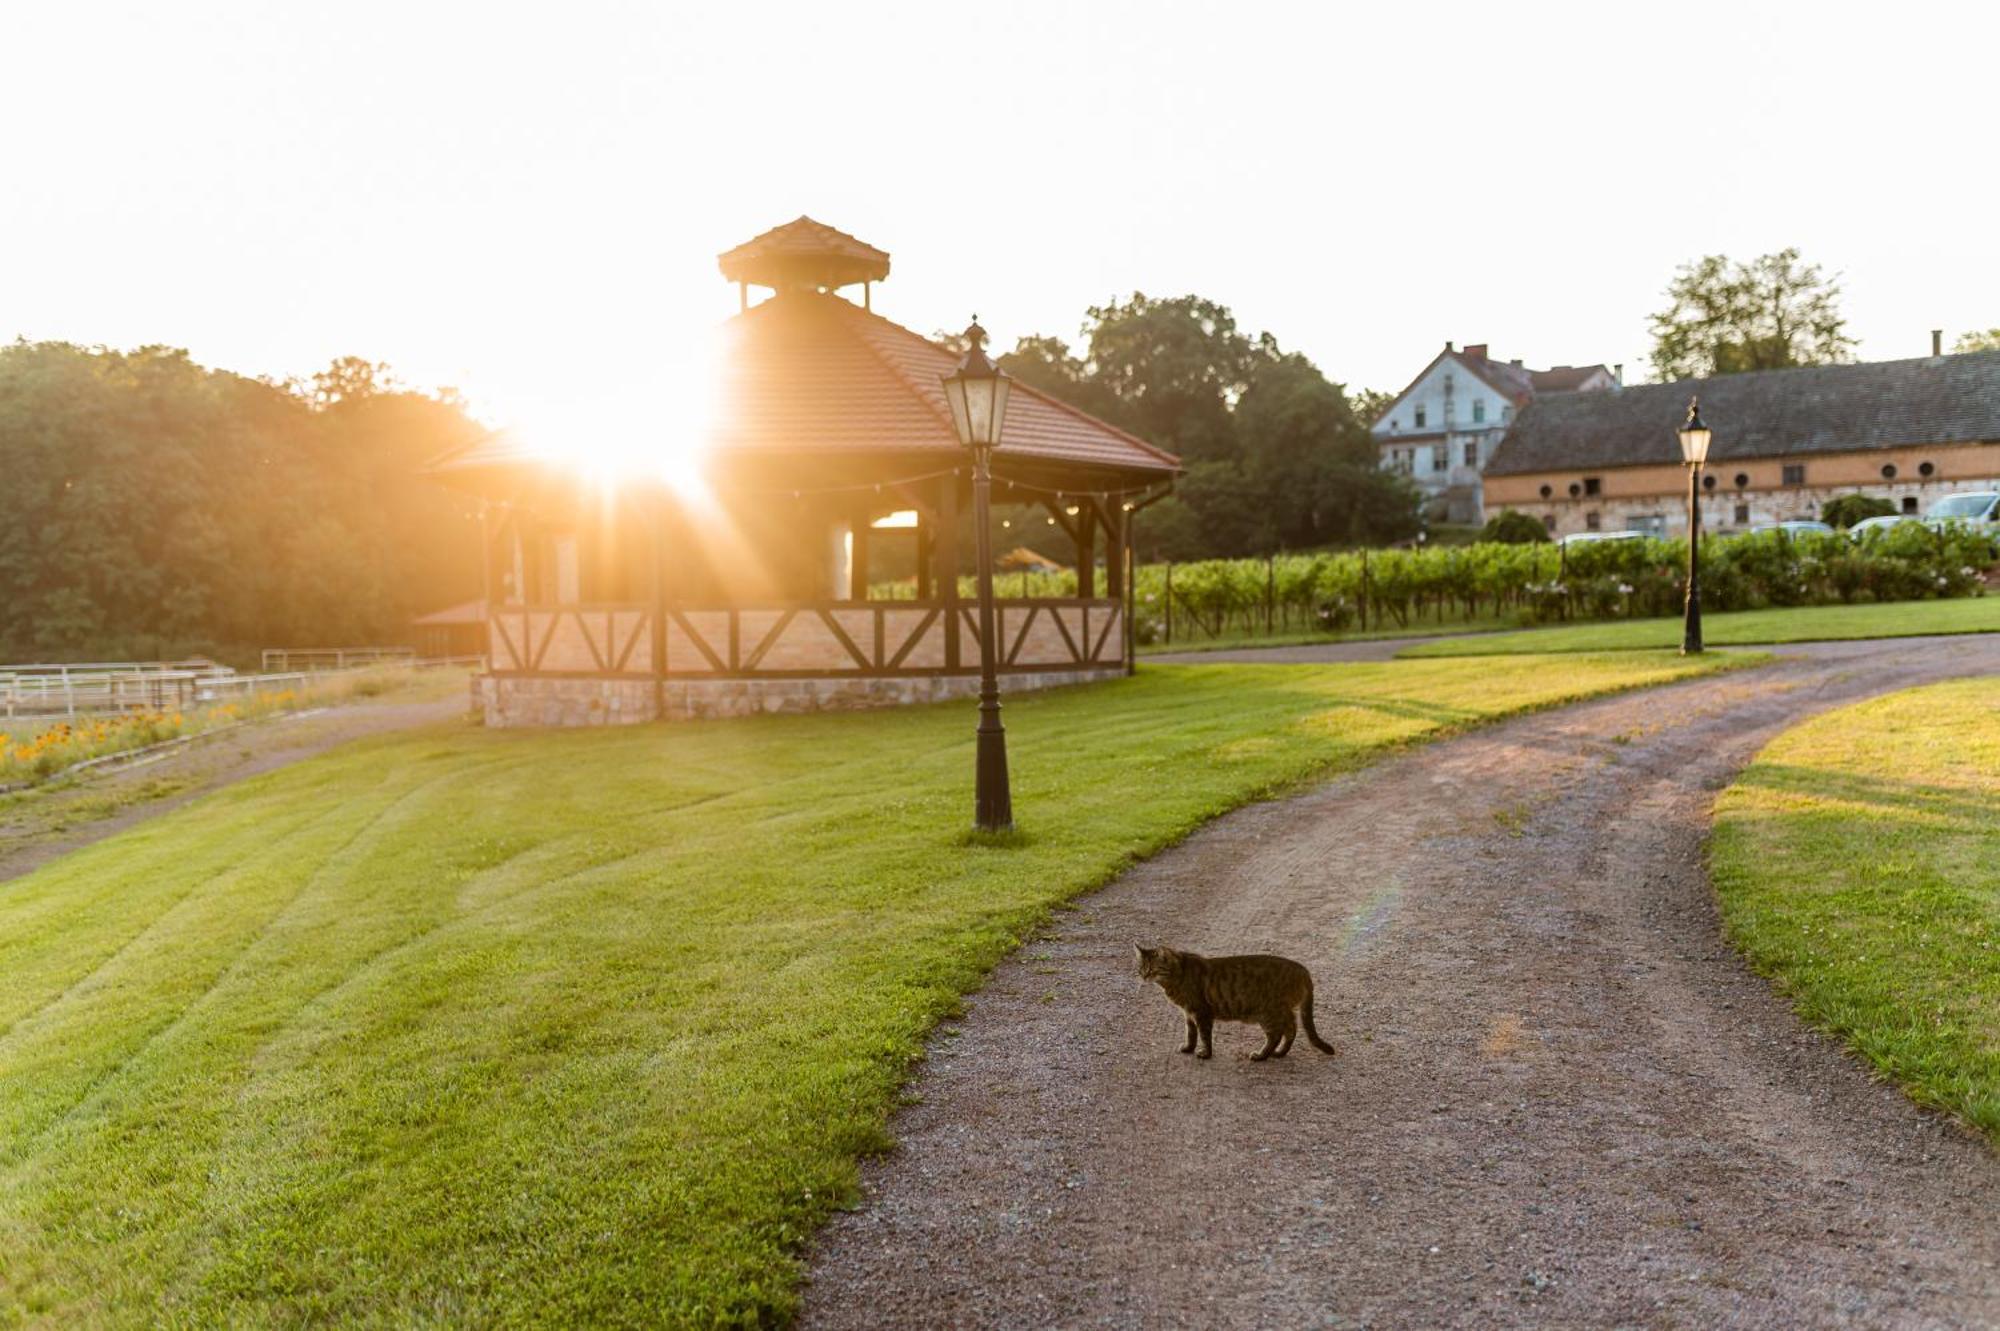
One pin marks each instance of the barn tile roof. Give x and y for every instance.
(1768, 413)
(1563, 378)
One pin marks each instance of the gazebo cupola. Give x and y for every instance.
(804, 255)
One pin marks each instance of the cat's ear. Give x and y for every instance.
(1140, 953)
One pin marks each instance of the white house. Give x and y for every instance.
(1441, 431)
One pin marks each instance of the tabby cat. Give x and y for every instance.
(1262, 989)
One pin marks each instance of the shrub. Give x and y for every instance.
(1511, 528)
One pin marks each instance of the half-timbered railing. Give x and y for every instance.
(821, 638)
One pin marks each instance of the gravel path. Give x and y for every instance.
(42, 824)
(1306, 653)
(1561, 1099)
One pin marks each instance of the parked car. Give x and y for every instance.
(1799, 527)
(1590, 537)
(1978, 507)
(1867, 527)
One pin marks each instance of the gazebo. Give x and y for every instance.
(756, 590)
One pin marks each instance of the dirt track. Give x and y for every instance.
(37, 827)
(1561, 1099)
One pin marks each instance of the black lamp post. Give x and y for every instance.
(977, 394)
(1694, 436)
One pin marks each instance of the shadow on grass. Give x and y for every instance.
(1958, 809)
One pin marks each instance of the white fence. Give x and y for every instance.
(278, 659)
(102, 687)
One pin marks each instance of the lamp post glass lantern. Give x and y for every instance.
(977, 395)
(1695, 437)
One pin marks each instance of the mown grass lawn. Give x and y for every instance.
(1858, 863)
(1814, 623)
(509, 1027)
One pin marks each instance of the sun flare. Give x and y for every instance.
(660, 431)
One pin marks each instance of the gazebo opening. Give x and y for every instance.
(817, 563)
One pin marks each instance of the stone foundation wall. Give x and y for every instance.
(531, 701)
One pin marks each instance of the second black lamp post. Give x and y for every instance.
(1695, 437)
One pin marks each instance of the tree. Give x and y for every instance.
(349, 379)
(153, 507)
(1513, 528)
(1171, 371)
(1984, 340)
(1275, 454)
(1769, 314)
(1848, 509)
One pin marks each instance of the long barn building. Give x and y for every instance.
(1786, 441)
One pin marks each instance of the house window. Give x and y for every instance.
(1795, 473)
(1909, 503)
(1592, 485)
(1478, 409)
(1395, 424)
(1440, 457)
(1472, 454)
(1591, 521)
(1549, 522)
(1743, 515)
(1420, 418)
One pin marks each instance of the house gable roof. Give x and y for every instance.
(1511, 381)
(1768, 413)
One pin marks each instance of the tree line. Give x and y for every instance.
(151, 508)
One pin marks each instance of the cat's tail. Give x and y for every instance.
(1306, 1020)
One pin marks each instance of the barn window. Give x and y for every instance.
(1743, 515)
(1909, 503)
(1795, 473)
(1592, 521)
(1592, 485)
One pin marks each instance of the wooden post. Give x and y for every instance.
(485, 585)
(947, 566)
(1130, 562)
(857, 570)
(924, 532)
(1086, 554)
(658, 586)
(1116, 522)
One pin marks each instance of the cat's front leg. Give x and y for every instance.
(1188, 1048)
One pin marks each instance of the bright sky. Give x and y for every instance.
(526, 201)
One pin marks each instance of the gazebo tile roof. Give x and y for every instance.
(814, 376)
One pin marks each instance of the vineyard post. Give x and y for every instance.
(1363, 598)
(1270, 589)
(1562, 574)
(1170, 602)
